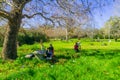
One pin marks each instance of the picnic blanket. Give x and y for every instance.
(39, 54)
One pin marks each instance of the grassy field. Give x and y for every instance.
(96, 61)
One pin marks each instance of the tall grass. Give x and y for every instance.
(96, 61)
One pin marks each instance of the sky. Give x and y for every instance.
(101, 17)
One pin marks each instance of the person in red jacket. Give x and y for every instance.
(76, 47)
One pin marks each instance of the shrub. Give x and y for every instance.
(31, 38)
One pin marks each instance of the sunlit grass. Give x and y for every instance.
(96, 61)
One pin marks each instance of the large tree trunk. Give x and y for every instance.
(10, 47)
(9, 50)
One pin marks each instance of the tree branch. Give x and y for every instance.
(46, 18)
(59, 3)
(4, 14)
(25, 2)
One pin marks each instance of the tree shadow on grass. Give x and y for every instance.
(68, 54)
(63, 56)
(101, 53)
(59, 57)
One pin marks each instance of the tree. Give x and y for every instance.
(69, 22)
(14, 20)
(14, 12)
(14, 16)
(112, 27)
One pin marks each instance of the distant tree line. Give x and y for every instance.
(110, 30)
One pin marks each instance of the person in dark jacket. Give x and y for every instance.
(50, 51)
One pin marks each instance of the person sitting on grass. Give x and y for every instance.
(43, 50)
(50, 52)
(38, 53)
(76, 47)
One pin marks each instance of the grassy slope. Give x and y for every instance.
(96, 61)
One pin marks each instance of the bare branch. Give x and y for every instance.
(41, 14)
(25, 2)
(58, 1)
(4, 14)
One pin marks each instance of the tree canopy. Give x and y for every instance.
(112, 27)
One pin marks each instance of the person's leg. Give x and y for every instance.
(49, 55)
(77, 50)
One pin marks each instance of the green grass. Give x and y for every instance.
(96, 61)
